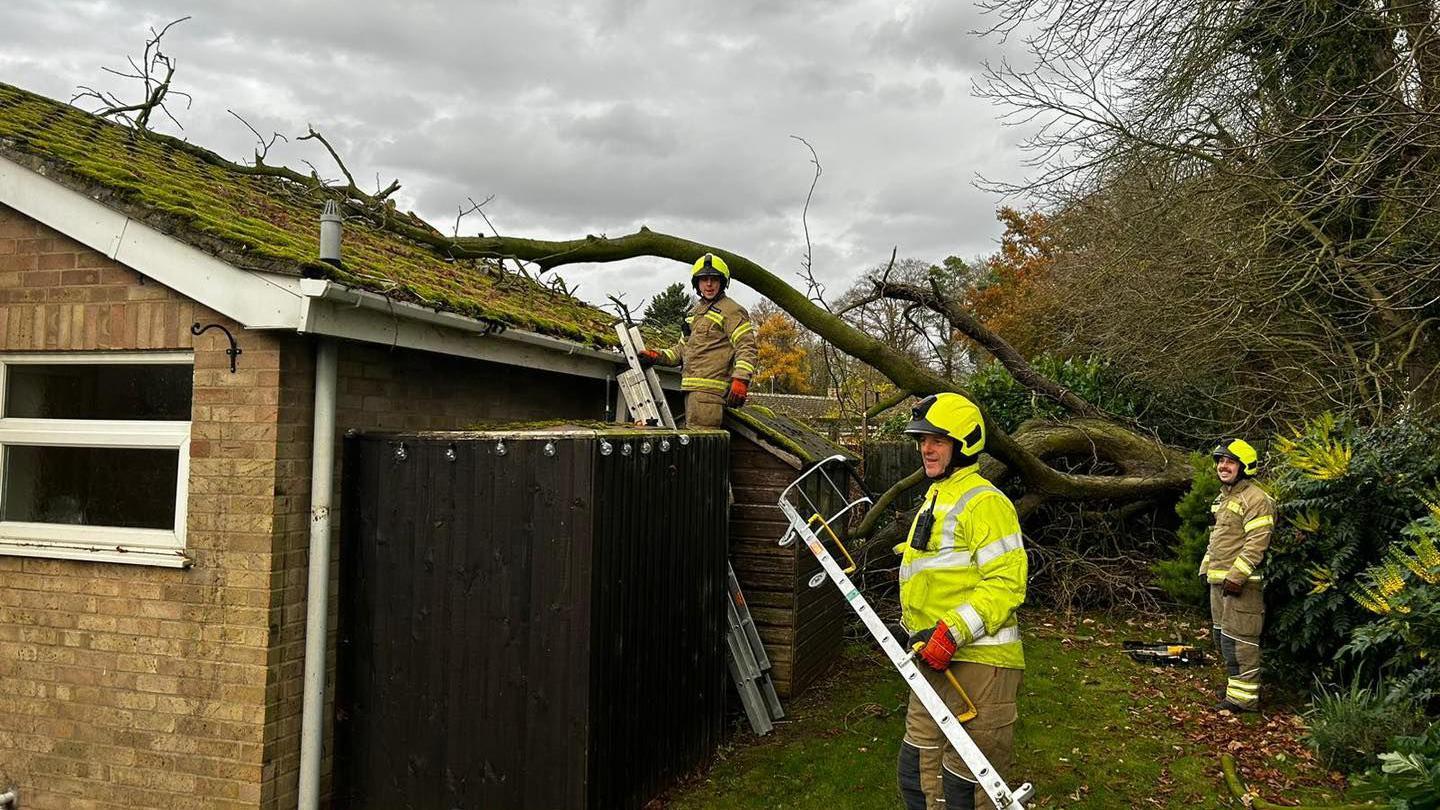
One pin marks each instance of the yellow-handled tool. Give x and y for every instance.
(970, 711)
(816, 520)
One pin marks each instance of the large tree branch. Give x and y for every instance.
(906, 374)
(971, 327)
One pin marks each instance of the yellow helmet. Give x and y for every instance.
(710, 265)
(1239, 450)
(949, 415)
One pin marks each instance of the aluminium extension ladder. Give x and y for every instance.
(805, 529)
(744, 653)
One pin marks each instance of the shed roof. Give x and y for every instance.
(790, 435)
(265, 223)
(804, 406)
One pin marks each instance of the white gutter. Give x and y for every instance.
(317, 595)
(330, 308)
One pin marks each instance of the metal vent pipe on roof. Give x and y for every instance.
(330, 221)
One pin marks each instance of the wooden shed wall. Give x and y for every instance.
(802, 627)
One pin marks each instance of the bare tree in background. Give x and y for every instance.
(1247, 192)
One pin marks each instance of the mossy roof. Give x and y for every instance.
(267, 223)
(787, 433)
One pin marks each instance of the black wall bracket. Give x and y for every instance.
(233, 352)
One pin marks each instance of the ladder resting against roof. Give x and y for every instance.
(744, 653)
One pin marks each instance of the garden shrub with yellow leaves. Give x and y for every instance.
(1402, 593)
(1346, 575)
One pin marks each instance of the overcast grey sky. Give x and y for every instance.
(593, 117)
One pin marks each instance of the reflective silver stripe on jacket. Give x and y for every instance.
(972, 619)
(947, 531)
(1005, 635)
(1006, 544)
(945, 559)
(958, 559)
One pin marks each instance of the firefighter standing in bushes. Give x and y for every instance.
(1244, 517)
(716, 351)
(962, 576)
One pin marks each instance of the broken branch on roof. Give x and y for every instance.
(146, 71)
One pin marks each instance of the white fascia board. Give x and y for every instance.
(358, 323)
(252, 299)
(341, 311)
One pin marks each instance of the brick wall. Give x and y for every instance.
(132, 686)
(125, 685)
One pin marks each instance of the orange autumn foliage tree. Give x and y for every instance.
(1015, 294)
(784, 357)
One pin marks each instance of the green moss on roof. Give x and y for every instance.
(790, 435)
(268, 223)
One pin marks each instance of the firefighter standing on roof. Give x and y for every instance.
(962, 576)
(716, 351)
(1244, 517)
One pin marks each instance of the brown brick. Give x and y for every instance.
(79, 276)
(56, 261)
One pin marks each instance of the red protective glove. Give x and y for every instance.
(1233, 588)
(939, 647)
(739, 390)
(648, 358)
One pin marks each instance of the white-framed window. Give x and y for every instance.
(95, 455)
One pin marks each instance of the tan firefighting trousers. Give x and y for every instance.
(1236, 622)
(704, 410)
(992, 690)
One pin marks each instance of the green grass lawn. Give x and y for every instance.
(1096, 731)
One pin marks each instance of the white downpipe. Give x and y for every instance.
(322, 474)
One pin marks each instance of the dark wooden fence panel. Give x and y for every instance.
(887, 463)
(533, 628)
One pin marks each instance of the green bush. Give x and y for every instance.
(1346, 494)
(1179, 576)
(1402, 593)
(1350, 727)
(1408, 776)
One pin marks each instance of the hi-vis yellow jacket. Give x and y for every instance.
(720, 345)
(972, 574)
(1244, 518)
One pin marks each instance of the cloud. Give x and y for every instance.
(933, 32)
(622, 129)
(591, 117)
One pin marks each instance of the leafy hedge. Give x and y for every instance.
(1351, 498)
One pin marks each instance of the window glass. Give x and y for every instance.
(96, 486)
(98, 391)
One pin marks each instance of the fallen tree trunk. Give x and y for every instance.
(1148, 467)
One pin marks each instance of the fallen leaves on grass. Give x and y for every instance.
(1270, 744)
